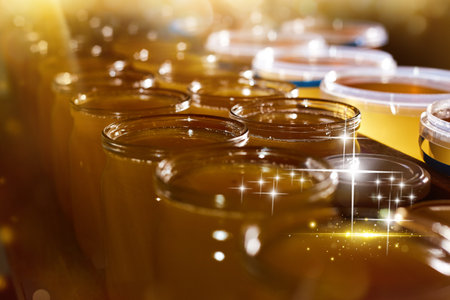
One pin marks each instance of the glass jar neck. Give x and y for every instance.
(154, 138)
(292, 119)
(248, 181)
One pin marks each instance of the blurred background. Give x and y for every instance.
(418, 29)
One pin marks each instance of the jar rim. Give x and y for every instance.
(269, 60)
(220, 42)
(180, 101)
(414, 178)
(425, 76)
(269, 233)
(170, 168)
(346, 126)
(70, 83)
(111, 134)
(371, 34)
(279, 89)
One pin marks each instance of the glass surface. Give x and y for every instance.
(309, 126)
(205, 199)
(91, 113)
(130, 206)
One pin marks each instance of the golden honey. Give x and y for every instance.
(134, 147)
(216, 96)
(66, 86)
(206, 198)
(178, 73)
(79, 61)
(309, 126)
(390, 102)
(91, 112)
(330, 259)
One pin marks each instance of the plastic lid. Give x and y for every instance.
(379, 180)
(246, 43)
(340, 32)
(435, 123)
(336, 83)
(303, 64)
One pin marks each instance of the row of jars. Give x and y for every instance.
(164, 226)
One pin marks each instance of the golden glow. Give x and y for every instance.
(6, 235)
(3, 283)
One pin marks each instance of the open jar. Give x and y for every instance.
(390, 101)
(434, 140)
(309, 126)
(130, 206)
(306, 67)
(216, 96)
(318, 257)
(92, 112)
(206, 196)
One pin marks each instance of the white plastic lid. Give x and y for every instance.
(340, 32)
(246, 43)
(435, 123)
(425, 77)
(308, 65)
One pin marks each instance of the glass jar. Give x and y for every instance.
(239, 47)
(429, 216)
(216, 96)
(309, 126)
(205, 198)
(390, 101)
(318, 257)
(130, 207)
(82, 59)
(91, 112)
(340, 32)
(307, 67)
(178, 73)
(434, 140)
(67, 86)
(379, 181)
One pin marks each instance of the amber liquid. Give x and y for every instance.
(334, 264)
(87, 161)
(398, 130)
(131, 210)
(312, 143)
(198, 239)
(225, 97)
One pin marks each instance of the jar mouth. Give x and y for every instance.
(435, 123)
(246, 43)
(341, 32)
(434, 79)
(302, 64)
(224, 92)
(113, 76)
(137, 137)
(260, 247)
(428, 222)
(343, 119)
(174, 176)
(378, 177)
(122, 101)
